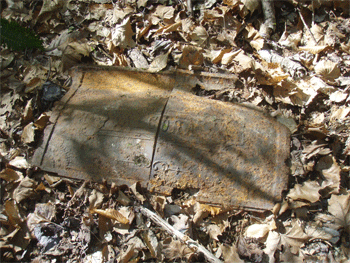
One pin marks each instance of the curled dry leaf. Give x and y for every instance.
(327, 69)
(28, 112)
(111, 214)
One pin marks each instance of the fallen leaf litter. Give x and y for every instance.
(304, 85)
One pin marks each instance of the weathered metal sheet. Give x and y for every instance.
(127, 126)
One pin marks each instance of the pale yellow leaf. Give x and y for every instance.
(314, 49)
(111, 214)
(257, 230)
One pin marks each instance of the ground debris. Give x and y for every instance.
(305, 85)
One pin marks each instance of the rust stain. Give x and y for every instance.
(127, 126)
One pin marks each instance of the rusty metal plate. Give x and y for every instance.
(127, 126)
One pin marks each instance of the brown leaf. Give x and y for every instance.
(330, 169)
(12, 211)
(307, 191)
(10, 175)
(121, 35)
(28, 112)
(327, 69)
(111, 214)
(176, 250)
(164, 12)
(191, 56)
(25, 189)
(42, 121)
(28, 133)
(159, 63)
(339, 207)
(230, 254)
(294, 237)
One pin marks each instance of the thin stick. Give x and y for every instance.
(308, 29)
(183, 238)
(189, 8)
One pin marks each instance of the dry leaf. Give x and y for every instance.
(294, 237)
(307, 191)
(339, 207)
(168, 29)
(273, 242)
(28, 133)
(228, 57)
(28, 112)
(191, 56)
(25, 189)
(340, 114)
(12, 211)
(19, 162)
(230, 253)
(159, 63)
(314, 49)
(164, 12)
(250, 5)
(199, 36)
(176, 250)
(327, 69)
(42, 121)
(10, 175)
(330, 169)
(254, 38)
(121, 35)
(338, 96)
(257, 231)
(111, 214)
(214, 231)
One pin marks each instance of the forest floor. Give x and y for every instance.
(300, 75)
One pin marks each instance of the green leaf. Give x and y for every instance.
(17, 37)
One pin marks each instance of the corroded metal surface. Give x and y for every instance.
(129, 126)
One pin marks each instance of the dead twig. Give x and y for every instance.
(189, 8)
(268, 8)
(183, 238)
(308, 29)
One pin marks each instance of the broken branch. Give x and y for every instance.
(182, 237)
